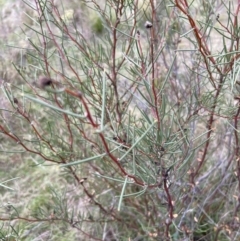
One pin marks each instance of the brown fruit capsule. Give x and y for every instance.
(44, 82)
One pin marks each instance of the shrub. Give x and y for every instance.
(133, 107)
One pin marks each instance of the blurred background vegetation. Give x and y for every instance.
(119, 120)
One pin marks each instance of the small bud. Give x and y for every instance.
(148, 24)
(168, 221)
(79, 94)
(83, 180)
(15, 101)
(161, 148)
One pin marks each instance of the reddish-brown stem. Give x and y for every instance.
(95, 125)
(168, 222)
(203, 48)
(153, 49)
(24, 114)
(182, 5)
(99, 205)
(18, 141)
(237, 153)
(210, 129)
(51, 220)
